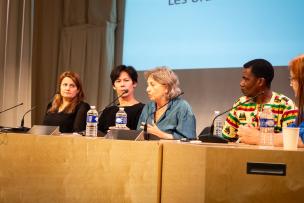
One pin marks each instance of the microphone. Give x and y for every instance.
(11, 107)
(216, 139)
(22, 120)
(112, 102)
(21, 128)
(146, 134)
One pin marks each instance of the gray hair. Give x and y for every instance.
(165, 76)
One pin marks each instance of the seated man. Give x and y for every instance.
(256, 81)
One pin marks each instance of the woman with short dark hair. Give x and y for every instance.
(124, 82)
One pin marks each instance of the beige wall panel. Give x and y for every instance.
(183, 176)
(78, 169)
(206, 173)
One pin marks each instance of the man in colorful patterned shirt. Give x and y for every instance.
(256, 80)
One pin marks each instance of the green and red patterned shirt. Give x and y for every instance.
(283, 109)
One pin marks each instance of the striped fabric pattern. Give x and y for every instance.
(283, 109)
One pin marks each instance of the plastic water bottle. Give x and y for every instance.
(218, 124)
(266, 127)
(121, 118)
(92, 121)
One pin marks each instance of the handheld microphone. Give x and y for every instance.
(11, 107)
(146, 134)
(112, 102)
(215, 139)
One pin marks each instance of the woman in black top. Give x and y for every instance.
(124, 79)
(68, 110)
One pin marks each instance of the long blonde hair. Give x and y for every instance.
(296, 66)
(57, 101)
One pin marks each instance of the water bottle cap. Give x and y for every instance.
(93, 107)
(217, 112)
(121, 108)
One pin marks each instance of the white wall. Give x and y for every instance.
(208, 90)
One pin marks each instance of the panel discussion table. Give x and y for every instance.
(68, 168)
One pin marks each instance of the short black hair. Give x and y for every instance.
(261, 68)
(128, 69)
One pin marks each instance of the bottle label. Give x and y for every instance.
(92, 119)
(266, 123)
(121, 120)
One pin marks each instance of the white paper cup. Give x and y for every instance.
(290, 138)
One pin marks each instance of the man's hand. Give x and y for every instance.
(248, 134)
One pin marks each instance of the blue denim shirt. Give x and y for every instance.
(301, 126)
(178, 120)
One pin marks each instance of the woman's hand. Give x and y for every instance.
(154, 130)
(248, 134)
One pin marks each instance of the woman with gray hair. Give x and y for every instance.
(167, 116)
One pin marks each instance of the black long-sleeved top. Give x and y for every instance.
(68, 122)
(107, 118)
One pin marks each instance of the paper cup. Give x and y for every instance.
(290, 138)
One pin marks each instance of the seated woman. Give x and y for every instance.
(296, 71)
(124, 82)
(167, 116)
(68, 110)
